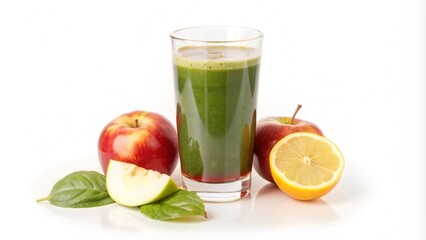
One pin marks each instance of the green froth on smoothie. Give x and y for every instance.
(216, 57)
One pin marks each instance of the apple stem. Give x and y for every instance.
(137, 122)
(295, 112)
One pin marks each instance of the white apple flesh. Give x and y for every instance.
(131, 186)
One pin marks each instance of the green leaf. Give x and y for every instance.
(80, 189)
(180, 204)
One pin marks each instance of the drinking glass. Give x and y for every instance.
(216, 73)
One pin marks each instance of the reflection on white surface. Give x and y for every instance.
(236, 210)
(266, 208)
(273, 207)
(123, 218)
(266, 211)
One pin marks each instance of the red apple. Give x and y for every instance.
(146, 139)
(269, 131)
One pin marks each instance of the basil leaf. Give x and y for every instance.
(80, 189)
(180, 204)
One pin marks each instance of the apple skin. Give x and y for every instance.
(146, 139)
(268, 132)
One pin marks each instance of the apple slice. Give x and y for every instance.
(131, 186)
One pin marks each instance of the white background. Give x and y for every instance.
(357, 67)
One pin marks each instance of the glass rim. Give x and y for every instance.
(258, 36)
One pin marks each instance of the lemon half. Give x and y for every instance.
(305, 165)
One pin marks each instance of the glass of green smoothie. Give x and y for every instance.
(216, 73)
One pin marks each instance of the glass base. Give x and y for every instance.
(219, 192)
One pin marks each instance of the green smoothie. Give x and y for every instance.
(216, 111)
